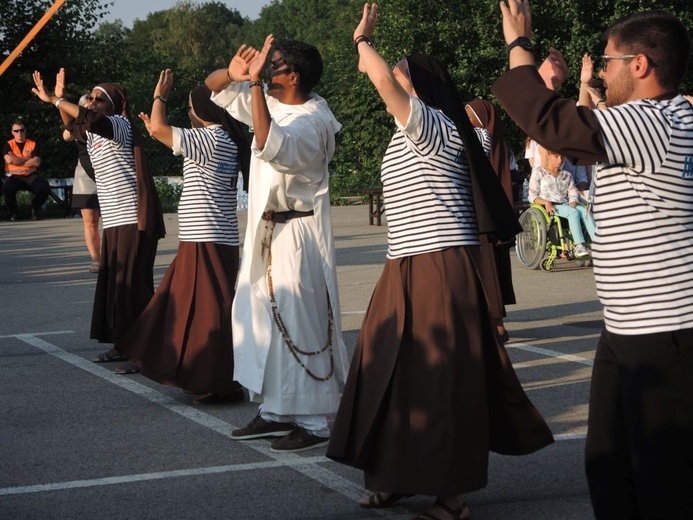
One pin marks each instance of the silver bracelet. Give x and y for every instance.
(58, 101)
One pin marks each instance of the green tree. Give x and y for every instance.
(190, 39)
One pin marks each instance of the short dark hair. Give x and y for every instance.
(303, 59)
(661, 37)
(18, 122)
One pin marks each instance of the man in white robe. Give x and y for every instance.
(288, 345)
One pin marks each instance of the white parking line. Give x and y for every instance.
(308, 466)
(159, 475)
(324, 476)
(550, 353)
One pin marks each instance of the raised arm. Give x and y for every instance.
(70, 109)
(539, 112)
(236, 71)
(157, 125)
(60, 92)
(261, 116)
(379, 72)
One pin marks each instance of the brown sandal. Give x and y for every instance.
(442, 511)
(110, 356)
(378, 500)
(126, 369)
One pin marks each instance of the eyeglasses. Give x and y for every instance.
(18, 130)
(97, 99)
(604, 60)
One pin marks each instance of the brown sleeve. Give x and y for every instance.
(94, 122)
(554, 122)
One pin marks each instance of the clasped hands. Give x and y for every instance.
(248, 63)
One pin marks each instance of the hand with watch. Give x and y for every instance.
(517, 29)
(365, 29)
(523, 42)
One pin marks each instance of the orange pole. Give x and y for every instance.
(30, 36)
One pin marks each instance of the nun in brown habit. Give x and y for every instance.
(131, 212)
(431, 390)
(183, 338)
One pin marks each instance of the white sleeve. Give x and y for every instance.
(236, 100)
(426, 133)
(294, 147)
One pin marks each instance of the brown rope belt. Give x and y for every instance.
(283, 216)
(274, 217)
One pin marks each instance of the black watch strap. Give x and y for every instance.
(523, 42)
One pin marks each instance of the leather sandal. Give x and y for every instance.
(127, 368)
(110, 356)
(378, 500)
(442, 511)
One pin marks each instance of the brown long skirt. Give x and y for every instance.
(183, 337)
(495, 271)
(125, 283)
(431, 389)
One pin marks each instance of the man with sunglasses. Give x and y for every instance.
(22, 159)
(288, 345)
(639, 449)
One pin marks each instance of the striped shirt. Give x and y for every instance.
(207, 207)
(426, 186)
(644, 213)
(114, 166)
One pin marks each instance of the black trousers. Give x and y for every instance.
(33, 183)
(639, 450)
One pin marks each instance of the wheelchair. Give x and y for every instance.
(544, 234)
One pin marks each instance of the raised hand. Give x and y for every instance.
(40, 89)
(147, 122)
(587, 72)
(60, 83)
(257, 64)
(369, 20)
(240, 63)
(164, 85)
(554, 69)
(517, 19)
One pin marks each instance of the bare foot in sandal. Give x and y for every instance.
(111, 356)
(127, 368)
(447, 508)
(379, 499)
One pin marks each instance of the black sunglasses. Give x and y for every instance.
(97, 99)
(19, 130)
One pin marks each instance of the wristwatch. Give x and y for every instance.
(523, 42)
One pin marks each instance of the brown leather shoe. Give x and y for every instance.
(259, 428)
(298, 440)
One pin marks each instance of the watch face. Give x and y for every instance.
(523, 42)
(526, 45)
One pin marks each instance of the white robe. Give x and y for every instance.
(290, 173)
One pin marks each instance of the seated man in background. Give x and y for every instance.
(21, 161)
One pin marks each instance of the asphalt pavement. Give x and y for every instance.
(80, 442)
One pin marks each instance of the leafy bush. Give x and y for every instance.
(169, 194)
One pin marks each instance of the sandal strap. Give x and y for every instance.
(456, 513)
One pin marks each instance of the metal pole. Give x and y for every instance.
(30, 36)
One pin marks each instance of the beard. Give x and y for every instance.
(620, 89)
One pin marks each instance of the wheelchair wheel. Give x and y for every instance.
(548, 265)
(531, 243)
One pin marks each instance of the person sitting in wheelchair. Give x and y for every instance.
(554, 189)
